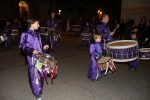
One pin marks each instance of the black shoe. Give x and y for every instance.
(93, 80)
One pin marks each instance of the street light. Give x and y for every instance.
(59, 11)
(99, 14)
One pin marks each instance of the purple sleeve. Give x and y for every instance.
(105, 32)
(95, 50)
(26, 44)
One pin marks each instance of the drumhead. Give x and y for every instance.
(144, 50)
(103, 60)
(121, 44)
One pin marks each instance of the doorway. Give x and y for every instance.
(23, 9)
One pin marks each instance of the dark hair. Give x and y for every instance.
(31, 21)
(144, 18)
(132, 33)
(131, 21)
(52, 12)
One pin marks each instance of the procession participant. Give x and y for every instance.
(86, 30)
(133, 64)
(103, 29)
(31, 44)
(16, 25)
(94, 73)
(7, 31)
(52, 22)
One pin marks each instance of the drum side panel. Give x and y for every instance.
(123, 54)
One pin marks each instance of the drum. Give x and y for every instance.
(86, 36)
(75, 28)
(44, 62)
(123, 50)
(3, 37)
(144, 54)
(106, 63)
(53, 31)
(43, 31)
(14, 32)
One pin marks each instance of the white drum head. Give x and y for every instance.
(122, 44)
(103, 60)
(144, 50)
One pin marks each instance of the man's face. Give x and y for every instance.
(106, 19)
(53, 15)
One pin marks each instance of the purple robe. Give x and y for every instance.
(30, 41)
(53, 43)
(103, 29)
(93, 71)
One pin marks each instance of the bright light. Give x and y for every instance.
(100, 12)
(59, 11)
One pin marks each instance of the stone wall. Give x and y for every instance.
(135, 9)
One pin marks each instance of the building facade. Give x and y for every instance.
(135, 9)
(26, 8)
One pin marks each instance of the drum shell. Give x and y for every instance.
(144, 54)
(123, 53)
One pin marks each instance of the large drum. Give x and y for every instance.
(86, 36)
(123, 50)
(75, 28)
(144, 53)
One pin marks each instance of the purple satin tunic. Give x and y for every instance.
(103, 29)
(93, 72)
(30, 41)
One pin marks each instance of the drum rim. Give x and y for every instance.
(121, 47)
(124, 60)
(144, 50)
(144, 58)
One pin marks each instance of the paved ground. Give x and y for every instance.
(72, 82)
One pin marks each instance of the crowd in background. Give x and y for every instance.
(125, 27)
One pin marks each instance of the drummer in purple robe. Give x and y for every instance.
(53, 40)
(94, 72)
(103, 29)
(7, 31)
(133, 64)
(31, 44)
(87, 30)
